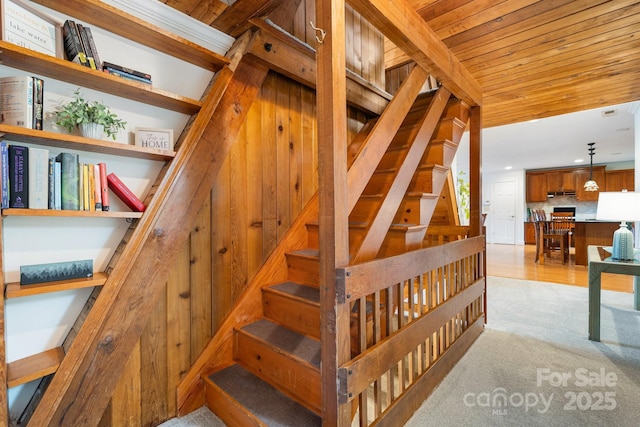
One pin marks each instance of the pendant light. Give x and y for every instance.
(591, 185)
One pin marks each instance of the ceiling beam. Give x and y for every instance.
(406, 29)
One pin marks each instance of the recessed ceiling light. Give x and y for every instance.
(533, 120)
(508, 168)
(578, 161)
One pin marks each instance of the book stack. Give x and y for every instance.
(126, 73)
(30, 179)
(79, 45)
(21, 101)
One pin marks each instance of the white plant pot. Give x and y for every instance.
(92, 130)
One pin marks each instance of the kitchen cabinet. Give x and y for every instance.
(582, 176)
(529, 233)
(561, 181)
(618, 180)
(536, 186)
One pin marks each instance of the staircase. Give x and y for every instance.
(274, 377)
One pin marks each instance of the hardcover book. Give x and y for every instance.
(86, 46)
(92, 45)
(18, 176)
(4, 156)
(16, 101)
(125, 194)
(38, 178)
(72, 45)
(69, 181)
(104, 187)
(127, 70)
(38, 102)
(97, 187)
(53, 272)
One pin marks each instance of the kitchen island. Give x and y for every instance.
(595, 233)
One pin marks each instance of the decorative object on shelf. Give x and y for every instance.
(80, 111)
(52, 272)
(154, 138)
(620, 206)
(27, 27)
(591, 185)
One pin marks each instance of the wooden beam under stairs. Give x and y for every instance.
(80, 391)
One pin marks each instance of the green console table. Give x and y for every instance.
(600, 262)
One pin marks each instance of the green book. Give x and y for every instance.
(69, 181)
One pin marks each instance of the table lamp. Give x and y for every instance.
(620, 206)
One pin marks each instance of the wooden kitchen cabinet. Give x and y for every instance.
(618, 180)
(561, 181)
(529, 233)
(536, 186)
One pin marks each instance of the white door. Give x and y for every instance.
(504, 212)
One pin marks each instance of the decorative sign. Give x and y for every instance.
(155, 138)
(26, 27)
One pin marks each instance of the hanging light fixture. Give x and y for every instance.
(591, 185)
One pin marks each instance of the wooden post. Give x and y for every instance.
(475, 186)
(332, 192)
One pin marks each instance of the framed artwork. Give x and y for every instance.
(27, 27)
(154, 138)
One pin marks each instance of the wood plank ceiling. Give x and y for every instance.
(533, 59)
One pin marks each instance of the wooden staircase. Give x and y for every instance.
(274, 377)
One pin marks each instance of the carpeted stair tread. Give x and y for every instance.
(300, 346)
(265, 402)
(298, 290)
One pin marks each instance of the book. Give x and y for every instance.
(86, 46)
(124, 75)
(38, 102)
(4, 174)
(38, 178)
(52, 183)
(127, 70)
(18, 176)
(57, 189)
(97, 190)
(55, 271)
(69, 181)
(104, 186)
(16, 101)
(72, 45)
(92, 45)
(86, 189)
(124, 193)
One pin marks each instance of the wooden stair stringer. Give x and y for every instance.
(378, 227)
(89, 373)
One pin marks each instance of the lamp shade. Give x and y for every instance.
(620, 206)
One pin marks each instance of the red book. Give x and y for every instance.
(104, 196)
(124, 193)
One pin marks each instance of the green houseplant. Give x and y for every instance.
(79, 112)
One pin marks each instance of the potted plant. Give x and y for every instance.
(84, 115)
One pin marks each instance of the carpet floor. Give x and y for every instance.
(534, 364)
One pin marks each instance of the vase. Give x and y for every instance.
(92, 130)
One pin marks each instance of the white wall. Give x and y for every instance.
(37, 323)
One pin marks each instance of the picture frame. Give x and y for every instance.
(161, 139)
(25, 26)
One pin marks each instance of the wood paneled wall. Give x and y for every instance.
(269, 175)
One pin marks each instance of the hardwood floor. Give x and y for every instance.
(517, 261)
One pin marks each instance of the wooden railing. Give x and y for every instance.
(413, 316)
(441, 234)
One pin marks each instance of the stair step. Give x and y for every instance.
(402, 238)
(303, 267)
(416, 208)
(428, 179)
(234, 386)
(440, 152)
(294, 305)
